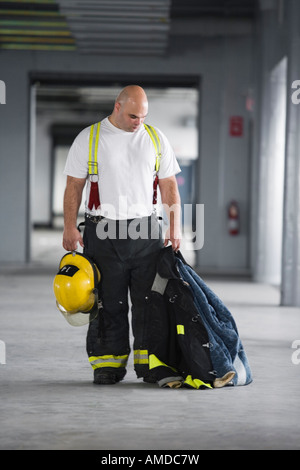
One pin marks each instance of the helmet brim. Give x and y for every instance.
(79, 318)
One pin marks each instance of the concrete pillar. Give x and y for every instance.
(14, 164)
(290, 288)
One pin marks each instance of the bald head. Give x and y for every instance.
(131, 108)
(133, 93)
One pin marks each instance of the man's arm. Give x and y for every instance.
(72, 201)
(171, 201)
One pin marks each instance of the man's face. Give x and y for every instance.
(131, 114)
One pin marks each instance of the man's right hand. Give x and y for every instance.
(71, 238)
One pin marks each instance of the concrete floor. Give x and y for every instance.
(48, 401)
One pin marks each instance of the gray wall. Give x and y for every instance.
(225, 160)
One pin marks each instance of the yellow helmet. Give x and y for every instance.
(75, 288)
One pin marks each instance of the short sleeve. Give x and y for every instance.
(77, 159)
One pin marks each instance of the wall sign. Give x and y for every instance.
(236, 126)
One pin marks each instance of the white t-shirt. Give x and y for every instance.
(126, 163)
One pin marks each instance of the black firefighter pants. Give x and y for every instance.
(126, 253)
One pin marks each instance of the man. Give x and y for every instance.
(126, 162)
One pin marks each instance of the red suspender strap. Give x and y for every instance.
(94, 199)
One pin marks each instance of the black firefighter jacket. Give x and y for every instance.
(193, 336)
(178, 342)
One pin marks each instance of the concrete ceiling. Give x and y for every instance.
(131, 27)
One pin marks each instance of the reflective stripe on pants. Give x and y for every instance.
(108, 361)
(141, 356)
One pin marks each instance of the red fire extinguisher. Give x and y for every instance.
(233, 218)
